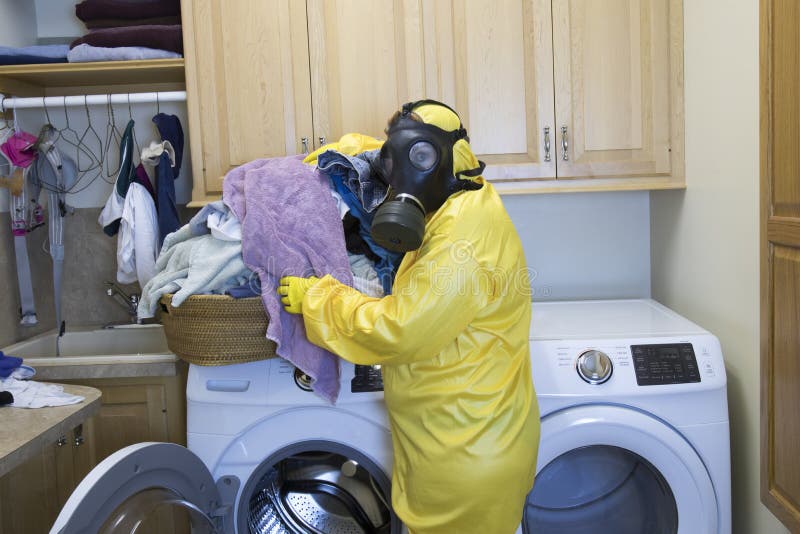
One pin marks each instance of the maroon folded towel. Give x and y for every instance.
(153, 36)
(120, 23)
(126, 9)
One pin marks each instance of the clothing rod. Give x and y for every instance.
(55, 102)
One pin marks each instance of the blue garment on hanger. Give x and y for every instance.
(168, 219)
(389, 261)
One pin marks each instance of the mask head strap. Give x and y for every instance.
(460, 133)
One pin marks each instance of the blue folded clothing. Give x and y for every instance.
(31, 55)
(8, 364)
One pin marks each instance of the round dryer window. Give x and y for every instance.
(319, 488)
(601, 489)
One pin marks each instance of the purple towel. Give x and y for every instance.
(159, 37)
(290, 226)
(127, 9)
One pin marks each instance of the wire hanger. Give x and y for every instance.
(112, 137)
(135, 141)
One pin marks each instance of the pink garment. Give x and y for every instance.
(290, 226)
(20, 148)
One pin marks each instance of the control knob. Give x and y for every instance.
(594, 366)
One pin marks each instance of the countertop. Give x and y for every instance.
(26, 431)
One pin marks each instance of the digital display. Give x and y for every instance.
(672, 363)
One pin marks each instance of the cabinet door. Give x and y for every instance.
(366, 61)
(618, 84)
(247, 83)
(492, 61)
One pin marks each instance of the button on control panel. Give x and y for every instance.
(367, 378)
(670, 363)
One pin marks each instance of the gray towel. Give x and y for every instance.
(290, 227)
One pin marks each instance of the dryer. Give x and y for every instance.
(634, 434)
(264, 454)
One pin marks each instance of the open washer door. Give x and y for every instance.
(123, 490)
(609, 469)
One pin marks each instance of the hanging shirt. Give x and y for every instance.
(137, 242)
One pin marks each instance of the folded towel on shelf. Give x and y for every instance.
(150, 36)
(290, 226)
(85, 53)
(94, 24)
(42, 51)
(127, 9)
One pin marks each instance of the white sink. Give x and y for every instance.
(95, 346)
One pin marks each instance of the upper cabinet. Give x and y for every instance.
(556, 94)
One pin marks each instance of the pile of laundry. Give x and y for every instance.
(284, 216)
(19, 391)
(122, 30)
(142, 207)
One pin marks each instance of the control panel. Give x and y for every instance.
(666, 363)
(367, 378)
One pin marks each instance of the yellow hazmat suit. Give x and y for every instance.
(453, 342)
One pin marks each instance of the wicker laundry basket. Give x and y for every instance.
(216, 329)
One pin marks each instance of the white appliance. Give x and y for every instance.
(265, 454)
(634, 434)
(634, 439)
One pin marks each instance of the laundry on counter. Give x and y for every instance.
(137, 242)
(32, 394)
(192, 265)
(168, 37)
(89, 10)
(84, 53)
(290, 226)
(28, 55)
(6, 398)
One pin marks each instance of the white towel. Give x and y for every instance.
(32, 394)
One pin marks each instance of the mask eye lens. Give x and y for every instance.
(423, 155)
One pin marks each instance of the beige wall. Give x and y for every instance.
(705, 240)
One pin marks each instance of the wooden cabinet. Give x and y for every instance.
(133, 410)
(533, 80)
(780, 260)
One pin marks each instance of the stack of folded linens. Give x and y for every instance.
(121, 30)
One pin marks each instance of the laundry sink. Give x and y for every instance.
(97, 352)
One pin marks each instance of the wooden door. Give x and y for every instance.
(780, 259)
(247, 84)
(365, 63)
(492, 61)
(619, 86)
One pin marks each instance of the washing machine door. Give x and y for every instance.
(123, 491)
(609, 469)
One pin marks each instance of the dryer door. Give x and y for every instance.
(126, 489)
(609, 469)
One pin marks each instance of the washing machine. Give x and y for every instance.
(264, 455)
(634, 430)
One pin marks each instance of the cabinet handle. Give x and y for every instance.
(304, 140)
(564, 144)
(321, 140)
(61, 441)
(547, 143)
(78, 435)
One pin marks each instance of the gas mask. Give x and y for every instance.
(417, 163)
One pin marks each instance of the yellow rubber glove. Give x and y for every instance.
(292, 290)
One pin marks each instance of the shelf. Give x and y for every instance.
(32, 80)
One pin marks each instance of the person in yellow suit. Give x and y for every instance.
(452, 338)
